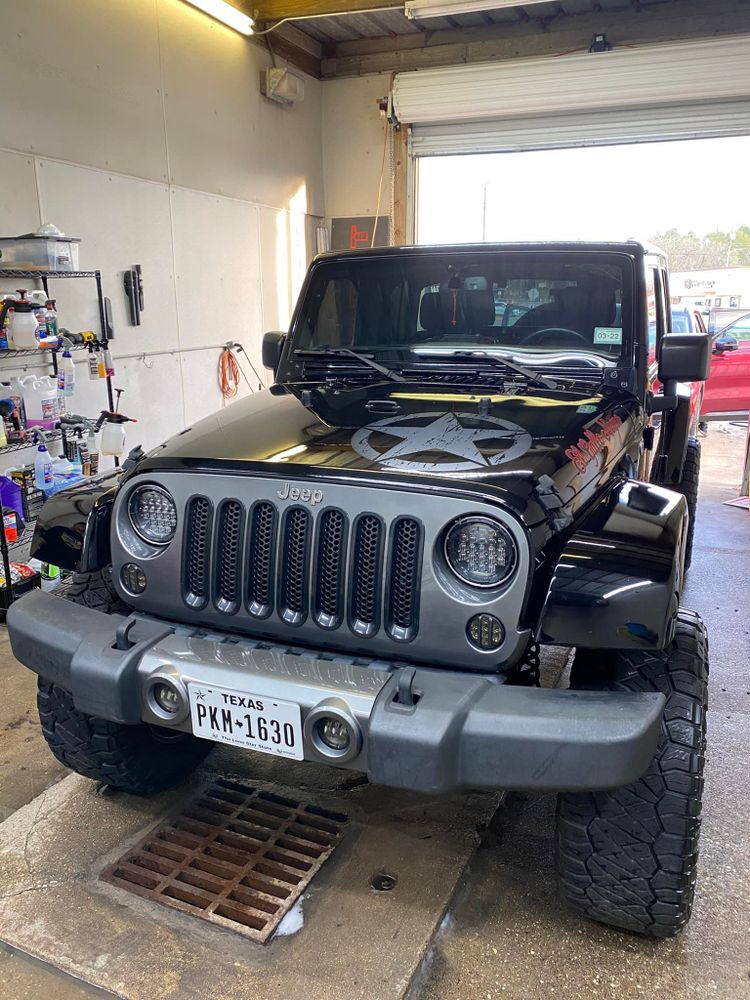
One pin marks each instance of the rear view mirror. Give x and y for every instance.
(273, 345)
(725, 342)
(684, 357)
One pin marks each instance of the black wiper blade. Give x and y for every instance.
(501, 362)
(346, 352)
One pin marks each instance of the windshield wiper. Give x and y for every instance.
(532, 376)
(346, 352)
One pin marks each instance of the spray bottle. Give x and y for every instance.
(66, 373)
(42, 467)
(113, 435)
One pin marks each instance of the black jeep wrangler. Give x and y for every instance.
(458, 461)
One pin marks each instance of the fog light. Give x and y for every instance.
(485, 632)
(167, 699)
(133, 578)
(334, 733)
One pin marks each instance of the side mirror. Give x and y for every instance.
(684, 357)
(273, 345)
(725, 343)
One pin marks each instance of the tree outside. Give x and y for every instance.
(690, 252)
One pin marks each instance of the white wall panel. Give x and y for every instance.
(80, 81)
(353, 146)
(217, 256)
(121, 221)
(223, 135)
(153, 395)
(19, 211)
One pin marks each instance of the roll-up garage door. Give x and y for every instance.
(686, 90)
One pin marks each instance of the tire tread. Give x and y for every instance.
(628, 857)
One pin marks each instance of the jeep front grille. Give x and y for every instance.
(306, 563)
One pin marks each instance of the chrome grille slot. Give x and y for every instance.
(197, 552)
(404, 571)
(366, 574)
(228, 558)
(295, 566)
(261, 559)
(330, 565)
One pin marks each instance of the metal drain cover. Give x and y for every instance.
(235, 856)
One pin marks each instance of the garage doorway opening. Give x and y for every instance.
(638, 190)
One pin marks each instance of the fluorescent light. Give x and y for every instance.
(226, 13)
(416, 9)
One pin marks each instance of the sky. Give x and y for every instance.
(603, 192)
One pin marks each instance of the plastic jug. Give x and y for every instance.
(40, 400)
(22, 325)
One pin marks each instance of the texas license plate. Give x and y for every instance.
(246, 720)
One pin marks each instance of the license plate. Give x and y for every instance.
(246, 720)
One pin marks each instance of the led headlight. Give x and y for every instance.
(153, 514)
(480, 551)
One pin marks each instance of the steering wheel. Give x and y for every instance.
(532, 338)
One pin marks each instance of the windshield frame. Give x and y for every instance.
(413, 355)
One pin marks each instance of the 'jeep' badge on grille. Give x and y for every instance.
(289, 492)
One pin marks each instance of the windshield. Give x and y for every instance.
(549, 308)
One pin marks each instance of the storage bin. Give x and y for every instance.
(39, 253)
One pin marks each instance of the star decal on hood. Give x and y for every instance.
(444, 435)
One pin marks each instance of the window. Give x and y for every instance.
(540, 303)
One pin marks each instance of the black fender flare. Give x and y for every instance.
(617, 582)
(72, 530)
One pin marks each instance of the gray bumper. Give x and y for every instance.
(465, 730)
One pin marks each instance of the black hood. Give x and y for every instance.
(504, 445)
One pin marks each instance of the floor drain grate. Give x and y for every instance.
(235, 856)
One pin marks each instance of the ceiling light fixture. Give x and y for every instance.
(222, 11)
(418, 9)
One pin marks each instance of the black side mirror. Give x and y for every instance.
(684, 357)
(726, 342)
(273, 345)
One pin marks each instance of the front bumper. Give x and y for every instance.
(464, 731)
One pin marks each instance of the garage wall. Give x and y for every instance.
(353, 146)
(139, 126)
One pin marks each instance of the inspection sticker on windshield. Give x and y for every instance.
(607, 334)
(245, 720)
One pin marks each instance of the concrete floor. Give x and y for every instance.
(506, 934)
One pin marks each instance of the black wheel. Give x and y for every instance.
(138, 759)
(94, 590)
(628, 857)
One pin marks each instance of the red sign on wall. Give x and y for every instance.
(356, 233)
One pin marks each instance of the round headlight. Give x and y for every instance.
(480, 551)
(153, 514)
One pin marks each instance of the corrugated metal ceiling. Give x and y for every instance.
(388, 23)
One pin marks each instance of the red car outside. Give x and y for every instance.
(726, 393)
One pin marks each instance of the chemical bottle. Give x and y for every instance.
(101, 368)
(109, 365)
(42, 468)
(66, 374)
(93, 452)
(51, 317)
(93, 361)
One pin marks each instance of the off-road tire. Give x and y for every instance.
(94, 590)
(137, 759)
(628, 857)
(688, 486)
